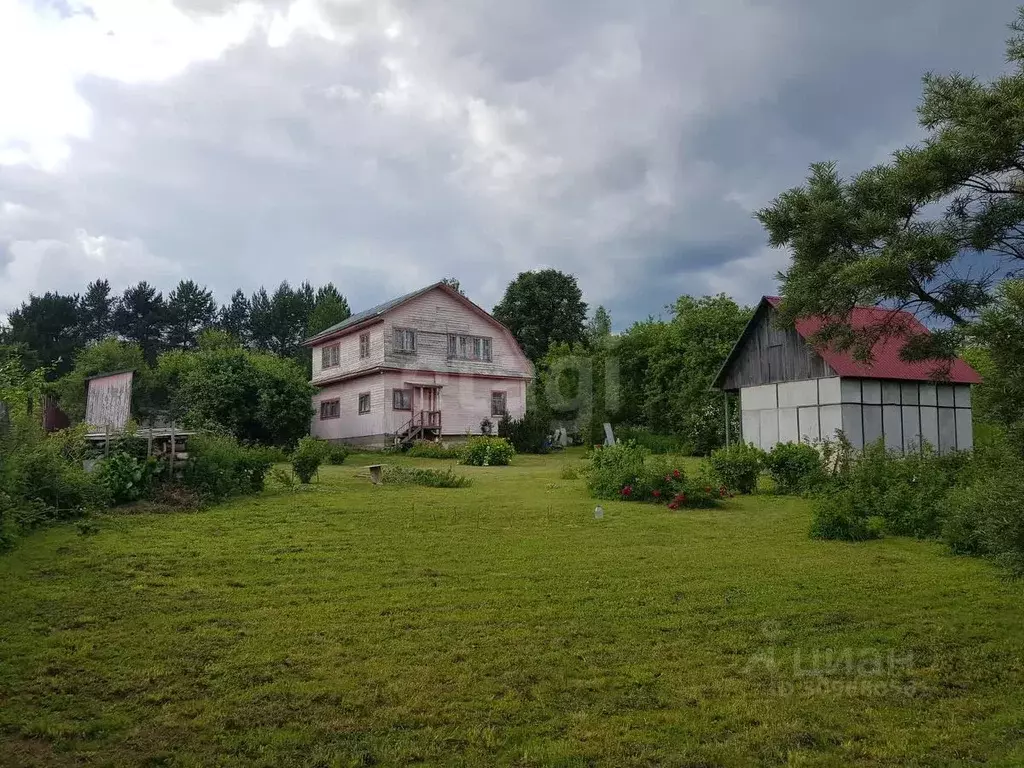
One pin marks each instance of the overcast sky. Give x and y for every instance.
(385, 144)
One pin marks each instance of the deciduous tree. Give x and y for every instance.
(543, 308)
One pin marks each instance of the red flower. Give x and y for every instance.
(675, 473)
(657, 494)
(627, 490)
(681, 498)
(673, 505)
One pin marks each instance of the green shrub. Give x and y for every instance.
(615, 467)
(528, 434)
(432, 478)
(218, 467)
(569, 472)
(985, 515)
(125, 477)
(795, 467)
(426, 449)
(49, 469)
(656, 444)
(904, 493)
(308, 456)
(488, 452)
(659, 482)
(738, 467)
(336, 454)
(839, 516)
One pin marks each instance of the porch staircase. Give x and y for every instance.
(425, 425)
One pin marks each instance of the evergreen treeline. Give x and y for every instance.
(51, 329)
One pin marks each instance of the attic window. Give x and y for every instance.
(330, 357)
(469, 348)
(405, 340)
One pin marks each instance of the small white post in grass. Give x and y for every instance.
(599, 512)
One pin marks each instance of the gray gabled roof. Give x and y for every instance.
(371, 313)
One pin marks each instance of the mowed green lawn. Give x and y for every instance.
(501, 624)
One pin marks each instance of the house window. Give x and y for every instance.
(330, 357)
(405, 340)
(364, 346)
(364, 402)
(499, 402)
(469, 347)
(401, 399)
(330, 409)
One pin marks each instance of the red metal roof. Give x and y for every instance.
(885, 355)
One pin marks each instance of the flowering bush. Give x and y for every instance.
(658, 482)
(488, 452)
(615, 468)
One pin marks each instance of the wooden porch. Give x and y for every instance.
(424, 425)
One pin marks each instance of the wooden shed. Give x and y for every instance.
(791, 391)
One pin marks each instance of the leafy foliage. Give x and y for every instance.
(884, 492)
(656, 444)
(258, 398)
(528, 434)
(336, 454)
(795, 467)
(308, 456)
(615, 467)
(488, 452)
(428, 449)
(542, 308)
(431, 478)
(107, 356)
(218, 467)
(126, 477)
(984, 514)
(738, 466)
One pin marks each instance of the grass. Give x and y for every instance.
(348, 624)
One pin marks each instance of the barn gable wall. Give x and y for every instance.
(768, 355)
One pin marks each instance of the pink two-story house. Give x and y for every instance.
(426, 365)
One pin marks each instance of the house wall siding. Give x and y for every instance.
(465, 401)
(434, 316)
(905, 415)
(465, 385)
(348, 353)
(769, 355)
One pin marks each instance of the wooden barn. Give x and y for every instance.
(791, 391)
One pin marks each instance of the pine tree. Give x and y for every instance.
(96, 312)
(330, 309)
(234, 317)
(141, 317)
(190, 309)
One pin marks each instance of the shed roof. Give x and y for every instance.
(885, 360)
